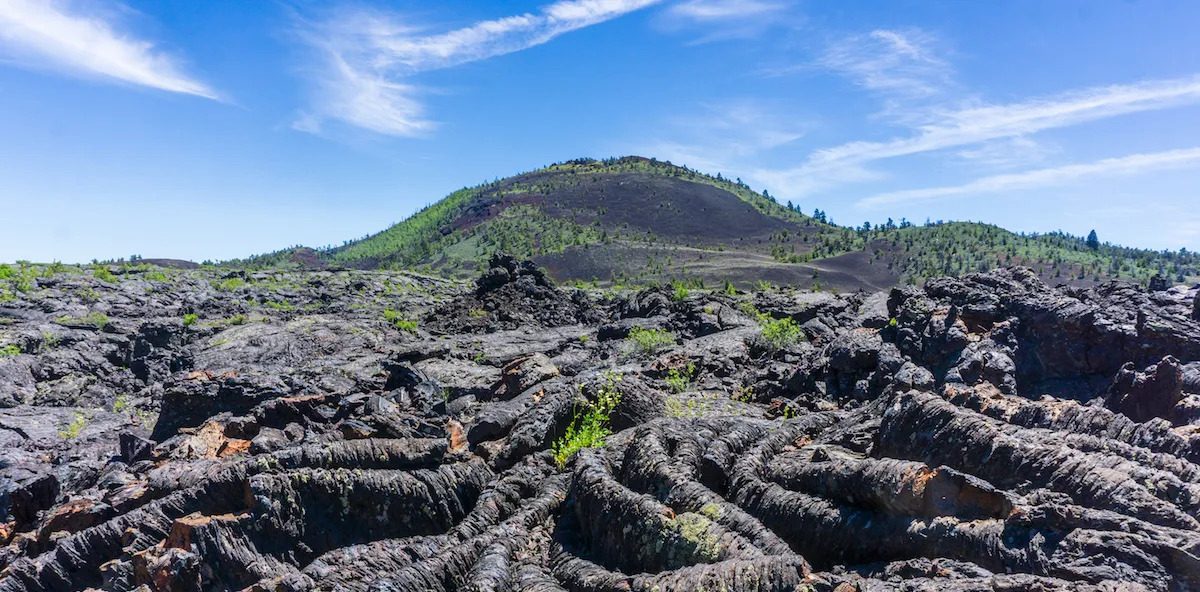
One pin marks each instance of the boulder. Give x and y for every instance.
(522, 373)
(1153, 392)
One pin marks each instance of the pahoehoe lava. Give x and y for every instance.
(375, 430)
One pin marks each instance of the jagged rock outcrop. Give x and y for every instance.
(1142, 396)
(511, 294)
(987, 432)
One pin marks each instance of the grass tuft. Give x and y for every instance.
(230, 284)
(73, 429)
(649, 341)
(98, 320)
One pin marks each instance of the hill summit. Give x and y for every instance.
(641, 220)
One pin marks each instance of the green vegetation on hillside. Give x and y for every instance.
(582, 215)
(955, 248)
(471, 223)
(523, 231)
(413, 239)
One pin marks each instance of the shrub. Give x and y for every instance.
(398, 320)
(680, 291)
(780, 333)
(649, 341)
(776, 333)
(121, 403)
(23, 282)
(155, 276)
(744, 394)
(49, 340)
(590, 426)
(103, 274)
(6, 272)
(237, 319)
(10, 350)
(679, 380)
(749, 309)
(98, 320)
(190, 319)
(230, 284)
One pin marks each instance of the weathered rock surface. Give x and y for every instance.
(981, 433)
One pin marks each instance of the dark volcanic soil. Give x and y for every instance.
(847, 272)
(349, 430)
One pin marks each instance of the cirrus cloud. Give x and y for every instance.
(46, 34)
(1132, 164)
(368, 59)
(973, 126)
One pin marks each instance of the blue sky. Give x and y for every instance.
(217, 129)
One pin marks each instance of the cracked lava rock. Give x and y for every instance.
(980, 433)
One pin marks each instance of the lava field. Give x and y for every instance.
(372, 430)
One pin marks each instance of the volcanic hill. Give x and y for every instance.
(636, 220)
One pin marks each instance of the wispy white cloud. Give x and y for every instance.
(368, 58)
(1008, 153)
(744, 127)
(713, 10)
(1121, 166)
(718, 136)
(726, 20)
(976, 125)
(46, 34)
(904, 63)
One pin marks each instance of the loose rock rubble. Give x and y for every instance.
(980, 433)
